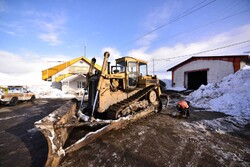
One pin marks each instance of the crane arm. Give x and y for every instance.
(47, 73)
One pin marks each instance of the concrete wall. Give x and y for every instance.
(217, 70)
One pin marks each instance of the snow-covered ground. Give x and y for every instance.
(169, 85)
(46, 91)
(42, 89)
(231, 96)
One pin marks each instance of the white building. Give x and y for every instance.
(195, 71)
(69, 76)
(73, 84)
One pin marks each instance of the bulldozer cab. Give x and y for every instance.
(132, 68)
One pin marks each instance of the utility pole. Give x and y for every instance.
(84, 50)
(153, 66)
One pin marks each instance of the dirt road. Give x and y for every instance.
(158, 140)
(20, 143)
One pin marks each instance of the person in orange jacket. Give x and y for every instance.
(183, 108)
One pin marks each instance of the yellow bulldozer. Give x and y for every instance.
(117, 95)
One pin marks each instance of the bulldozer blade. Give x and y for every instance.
(114, 124)
(55, 135)
(57, 126)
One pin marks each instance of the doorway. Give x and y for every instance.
(196, 79)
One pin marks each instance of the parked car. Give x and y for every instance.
(12, 94)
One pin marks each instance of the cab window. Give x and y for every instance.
(121, 66)
(132, 67)
(143, 69)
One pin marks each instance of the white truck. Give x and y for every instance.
(12, 94)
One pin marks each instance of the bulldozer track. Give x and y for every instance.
(115, 109)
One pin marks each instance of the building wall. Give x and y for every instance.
(80, 67)
(72, 86)
(217, 69)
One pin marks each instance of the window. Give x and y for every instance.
(143, 69)
(132, 74)
(121, 66)
(25, 91)
(132, 67)
(80, 84)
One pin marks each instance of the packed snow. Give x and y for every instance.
(231, 95)
(42, 89)
(47, 91)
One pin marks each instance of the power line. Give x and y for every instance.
(204, 25)
(223, 47)
(186, 13)
(232, 7)
(210, 50)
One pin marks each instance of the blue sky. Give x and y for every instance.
(32, 32)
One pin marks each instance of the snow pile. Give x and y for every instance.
(169, 85)
(47, 91)
(230, 96)
(33, 83)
